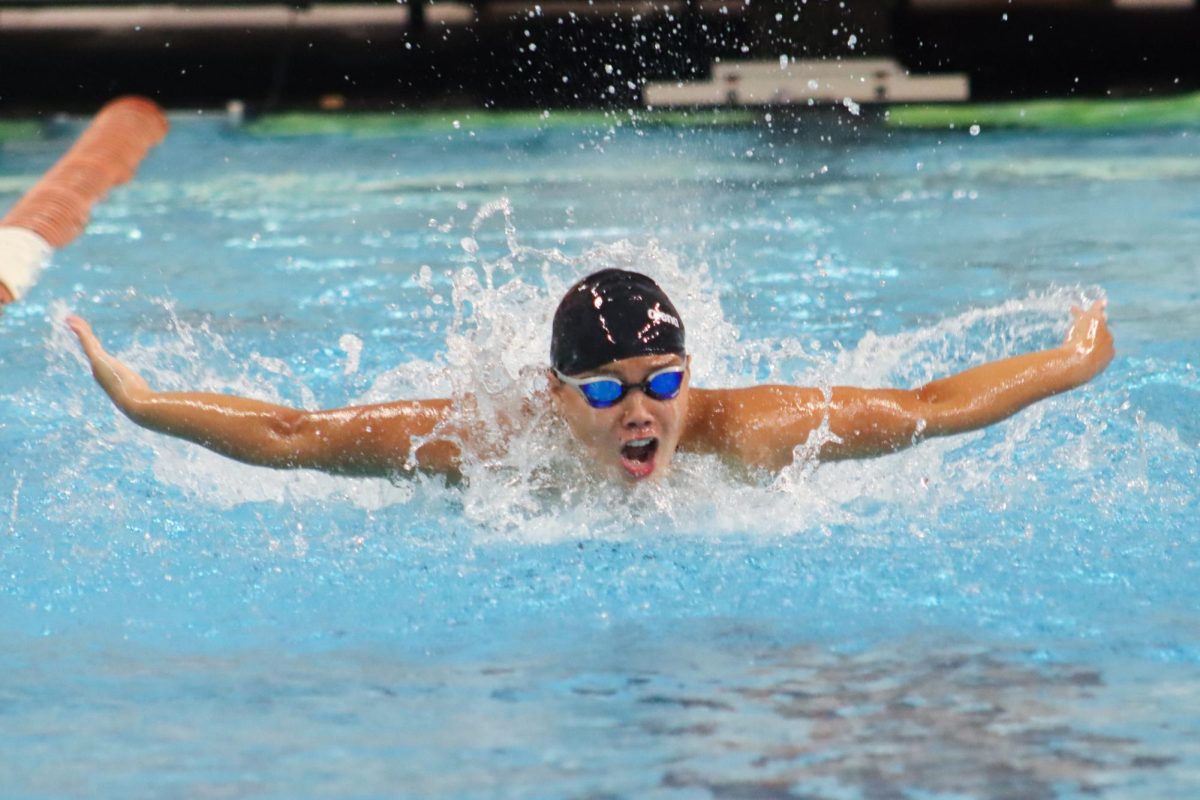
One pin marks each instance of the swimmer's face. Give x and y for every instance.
(636, 437)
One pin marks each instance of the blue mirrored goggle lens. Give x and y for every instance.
(602, 394)
(664, 385)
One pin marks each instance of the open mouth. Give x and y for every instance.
(637, 456)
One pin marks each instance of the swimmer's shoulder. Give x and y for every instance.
(741, 422)
(750, 403)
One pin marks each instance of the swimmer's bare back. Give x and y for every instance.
(759, 426)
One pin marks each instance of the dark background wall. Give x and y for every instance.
(576, 54)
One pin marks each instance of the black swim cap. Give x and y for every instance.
(610, 315)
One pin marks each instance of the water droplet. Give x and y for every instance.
(352, 346)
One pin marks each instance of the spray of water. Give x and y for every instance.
(528, 481)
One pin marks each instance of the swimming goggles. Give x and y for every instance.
(605, 392)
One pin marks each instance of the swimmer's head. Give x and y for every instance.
(620, 371)
(610, 315)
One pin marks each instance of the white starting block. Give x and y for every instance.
(786, 82)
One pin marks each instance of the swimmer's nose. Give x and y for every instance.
(635, 412)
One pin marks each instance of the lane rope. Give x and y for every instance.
(55, 211)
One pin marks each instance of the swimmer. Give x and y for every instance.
(620, 378)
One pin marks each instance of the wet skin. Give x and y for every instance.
(637, 438)
(762, 426)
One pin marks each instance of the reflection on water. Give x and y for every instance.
(962, 722)
(626, 714)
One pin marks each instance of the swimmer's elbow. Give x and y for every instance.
(317, 440)
(939, 413)
(876, 422)
(288, 424)
(293, 440)
(927, 412)
(284, 438)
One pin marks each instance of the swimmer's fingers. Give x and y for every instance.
(1090, 337)
(87, 339)
(117, 379)
(92, 348)
(1087, 325)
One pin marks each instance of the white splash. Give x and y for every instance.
(352, 346)
(533, 485)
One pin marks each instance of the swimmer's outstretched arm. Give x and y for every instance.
(764, 424)
(362, 440)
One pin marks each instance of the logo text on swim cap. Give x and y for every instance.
(658, 315)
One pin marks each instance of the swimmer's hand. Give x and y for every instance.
(1089, 340)
(124, 386)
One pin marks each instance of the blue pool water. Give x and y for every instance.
(1009, 614)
